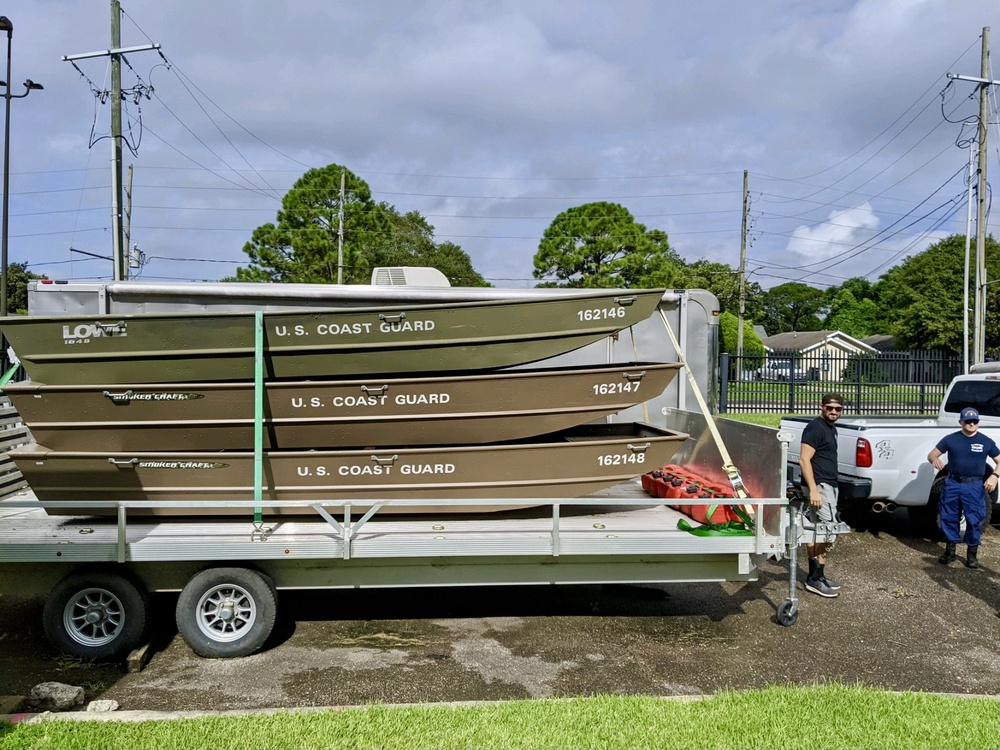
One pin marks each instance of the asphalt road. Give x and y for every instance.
(902, 622)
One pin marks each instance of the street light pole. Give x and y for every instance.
(29, 86)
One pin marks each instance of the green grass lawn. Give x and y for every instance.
(830, 716)
(767, 420)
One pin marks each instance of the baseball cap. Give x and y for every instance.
(832, 398)
(969, 414)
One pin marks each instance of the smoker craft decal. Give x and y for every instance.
(189, 465)
(127, 397)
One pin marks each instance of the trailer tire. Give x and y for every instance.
(224, 613)
(99, 615)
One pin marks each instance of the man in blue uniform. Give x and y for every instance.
(964, 489)
(818, 461)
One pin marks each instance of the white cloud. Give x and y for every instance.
(842, 232)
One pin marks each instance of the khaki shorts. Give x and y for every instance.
(826, 513)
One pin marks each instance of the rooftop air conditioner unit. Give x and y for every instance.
(408, 276)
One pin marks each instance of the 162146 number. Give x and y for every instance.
(601, 313)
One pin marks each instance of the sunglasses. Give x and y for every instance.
(834, 408)
(970, 421)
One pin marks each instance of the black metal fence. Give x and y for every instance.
(882, 383)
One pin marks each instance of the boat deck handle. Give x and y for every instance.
(385, 459)
(129, 462)
(392, 318)
(634, 375)
(119, 398)
(626, 301)
(638, 448)
(111, 328)
(381, 389)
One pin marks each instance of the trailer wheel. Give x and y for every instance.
(226, 612)
(96, 615)
(788, 613)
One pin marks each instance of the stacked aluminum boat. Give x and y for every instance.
(362, 401)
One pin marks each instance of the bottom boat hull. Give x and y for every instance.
(571, 463)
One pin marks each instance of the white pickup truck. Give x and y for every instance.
(883, 461)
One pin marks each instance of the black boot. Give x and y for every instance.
(970, 557)
(949, 554)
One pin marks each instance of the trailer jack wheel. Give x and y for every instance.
(226, 612)
(96, 615)
(788, 613)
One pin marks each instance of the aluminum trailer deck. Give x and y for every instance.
(617, 535)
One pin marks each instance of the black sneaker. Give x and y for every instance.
(832, 585)
(819, 586)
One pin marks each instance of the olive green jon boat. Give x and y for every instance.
(331, 343)
(450, 408)
(570, 463)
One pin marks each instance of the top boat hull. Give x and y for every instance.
(178, 348)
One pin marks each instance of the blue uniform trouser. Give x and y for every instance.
(962, 498)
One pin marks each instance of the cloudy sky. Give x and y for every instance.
(492, 117)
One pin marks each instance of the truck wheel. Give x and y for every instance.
(925, 517)
(226, 612)
(991, 498)
(96, 615)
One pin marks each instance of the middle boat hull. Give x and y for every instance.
(571, 463)
(456, 409)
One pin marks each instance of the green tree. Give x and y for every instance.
(857, 318)
(18, 277)
(302, 244)
(792, 306)
(602, 245)
(753, 347)
(922, 296)
(411, 243)
(724, 283)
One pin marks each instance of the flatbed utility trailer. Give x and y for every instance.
(100, 571)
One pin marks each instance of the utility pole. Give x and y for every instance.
(128, 221)
(984, 104)
(340, 232)
(119, 253)
(979, 333)
(743, 273)
(116, 144)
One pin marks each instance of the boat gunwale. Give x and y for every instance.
(345, 309)
(29, 387)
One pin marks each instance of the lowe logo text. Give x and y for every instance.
(84, 332)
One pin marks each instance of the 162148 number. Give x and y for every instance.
(621, 459)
